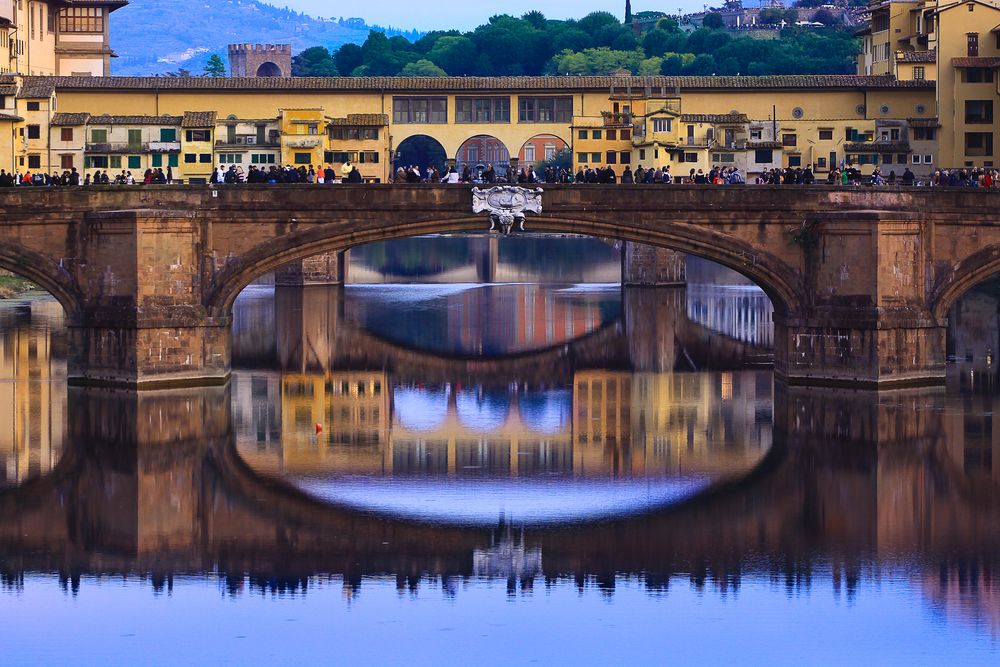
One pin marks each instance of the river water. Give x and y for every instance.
(559, 472)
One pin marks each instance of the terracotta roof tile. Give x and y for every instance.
(764, 144)
(981, 61)
(714, 118)
(69, 119)
(8, 90)
(108, 119)
(36, 87)
(515, 83)
(923, 122)
(198, 119)
(361, 120)
(917, 57)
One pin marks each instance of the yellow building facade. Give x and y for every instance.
(923, 99)
(752, 123)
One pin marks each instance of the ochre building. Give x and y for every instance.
(923, 99)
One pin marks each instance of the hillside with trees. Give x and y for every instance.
(161, 36)
(598, 43)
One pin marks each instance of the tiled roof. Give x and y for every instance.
(108, 119)
(69, 119)
(981, 61)
(764, 144)
(198, 119)
(923, 122)
(514, 83)
(714, 118)
(361, 120)
(917, 57)
(6, 117)
(8, 90)
(36, 87)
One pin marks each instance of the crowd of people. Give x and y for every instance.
(846, 175)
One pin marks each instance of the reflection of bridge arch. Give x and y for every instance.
(118, 498)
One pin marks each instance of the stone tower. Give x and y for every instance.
(260, 60)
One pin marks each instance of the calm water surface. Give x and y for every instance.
(565, 473)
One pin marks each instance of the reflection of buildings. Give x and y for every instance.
(613, 424)
(646, 423)
(32, 399)
(743, 313)
(521, 317)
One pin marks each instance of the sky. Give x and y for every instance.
(467, 15)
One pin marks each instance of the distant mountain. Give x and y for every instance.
(160, 36)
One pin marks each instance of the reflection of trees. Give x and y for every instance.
(548, 254)
(415, 256)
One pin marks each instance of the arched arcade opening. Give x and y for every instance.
(420, 151)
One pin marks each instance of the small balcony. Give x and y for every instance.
(117, 147)
(246, 142)
(164, 147)
(305, 143)
(617, 118)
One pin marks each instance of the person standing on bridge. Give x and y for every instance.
(345, 170)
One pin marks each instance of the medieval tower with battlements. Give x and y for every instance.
(271, 60)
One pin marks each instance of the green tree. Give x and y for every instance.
(536, 19)
(668, 24)
(215, 67)
(824, 16)
(314, 61)
(348, 58)
(455, 55)
(422, 68)
(657, 42)
(769, 16)
(714, 21)
(790, 16)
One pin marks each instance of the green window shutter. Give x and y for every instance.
(157, 159)
(172, 160)
(134, 162)
(87, 162)
(116, 161)
(168, 134)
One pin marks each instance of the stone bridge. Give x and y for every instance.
(861, 280)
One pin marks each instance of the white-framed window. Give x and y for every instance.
(663, 124)
(928, 159)
(915, 159)
(755, 135)
(550, 151)
(529, 153)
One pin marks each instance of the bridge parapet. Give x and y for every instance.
(861, 280)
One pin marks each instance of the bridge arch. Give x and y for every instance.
(542, 148)
(46, 273)
(779, 281)
(483, 149)
(420, 150)
(973, 271)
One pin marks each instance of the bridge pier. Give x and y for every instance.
(143, 323)
(329, 268)
(650, 266)
(869, 323)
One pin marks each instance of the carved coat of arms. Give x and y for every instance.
(506, 205)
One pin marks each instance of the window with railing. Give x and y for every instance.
(81, 19)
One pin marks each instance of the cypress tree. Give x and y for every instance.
(628, 12)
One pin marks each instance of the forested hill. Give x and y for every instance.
(160, 36)
(598, 43)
